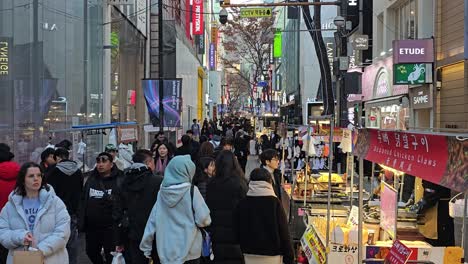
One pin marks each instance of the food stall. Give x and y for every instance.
(368, 233)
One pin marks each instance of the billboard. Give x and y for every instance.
(172, 101)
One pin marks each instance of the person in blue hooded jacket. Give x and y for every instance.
(175, 216)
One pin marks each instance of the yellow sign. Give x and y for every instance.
(256, 12)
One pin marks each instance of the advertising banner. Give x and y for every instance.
(436, 158)
(197, 17)
(413, 51)
(388, 205)
(214, 34)
(172, 101)
(413, 73)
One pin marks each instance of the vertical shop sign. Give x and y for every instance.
(200, 41)
(214, 34)
(5, 56)
(277, 44)
(212, 57)
(197, 17)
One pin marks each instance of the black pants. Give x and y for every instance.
(3, 255)
(194, 261)
(95, 241)
(133, 253)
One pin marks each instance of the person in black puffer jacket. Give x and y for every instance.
(134, 201)
(224, 192)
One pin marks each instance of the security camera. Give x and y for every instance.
(223, 16)
(339, 21)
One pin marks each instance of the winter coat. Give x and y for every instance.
(261, 225)
(96, 205)
(8, 172)
(67, 180)
(186, 150)
(51, 231)
(222, 197)
(175, 216)
(134, 201)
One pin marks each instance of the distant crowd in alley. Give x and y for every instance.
(219, 191)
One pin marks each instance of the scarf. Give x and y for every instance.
(260, 188)
(160, 166)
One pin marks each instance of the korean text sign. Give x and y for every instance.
(436, 158)
(399, 254)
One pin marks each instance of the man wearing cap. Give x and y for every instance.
(112, 149)
(96, 218)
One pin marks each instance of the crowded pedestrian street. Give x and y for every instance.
(233, 132)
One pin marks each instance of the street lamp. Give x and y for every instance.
(339, 21)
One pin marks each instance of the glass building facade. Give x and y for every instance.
(51, 72)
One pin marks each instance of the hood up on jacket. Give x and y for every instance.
(135, 175)
(68, 167)
(9, 170)
(177, 179)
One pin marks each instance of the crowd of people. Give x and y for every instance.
(221, 182)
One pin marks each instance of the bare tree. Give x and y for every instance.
(247, 41)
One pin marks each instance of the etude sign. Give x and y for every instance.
(413, 51)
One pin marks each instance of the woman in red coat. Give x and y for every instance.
(8, 172)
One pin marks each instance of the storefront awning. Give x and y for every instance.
(393, 100)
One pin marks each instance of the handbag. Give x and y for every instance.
(27, 256)
(207, 250)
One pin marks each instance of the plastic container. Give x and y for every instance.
(456, 208)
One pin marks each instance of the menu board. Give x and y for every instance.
(388, 209)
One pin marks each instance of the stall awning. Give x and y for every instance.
(438, 158)
(393, 100)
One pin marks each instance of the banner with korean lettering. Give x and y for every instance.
(197, 17)
(436, 158)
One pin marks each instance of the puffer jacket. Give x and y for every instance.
(8, 172)
(51, 231)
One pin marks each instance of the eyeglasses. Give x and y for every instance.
(102, 159)
(274, 159)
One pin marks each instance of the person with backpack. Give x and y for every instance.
(96, 210)
(177, 216)
(133, 205)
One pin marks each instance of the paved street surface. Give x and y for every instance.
(82, 258)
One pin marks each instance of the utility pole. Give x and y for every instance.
(341, 52)
(160, 65)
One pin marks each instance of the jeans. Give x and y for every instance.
(73, 242)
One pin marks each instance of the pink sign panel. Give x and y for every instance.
(413, 51)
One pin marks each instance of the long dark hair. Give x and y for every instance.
(169, 151)
(227, 165)
(206, 150)
(20, 188)
(202, 164)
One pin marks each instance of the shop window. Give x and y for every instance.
(406, 20)
(388, 117)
